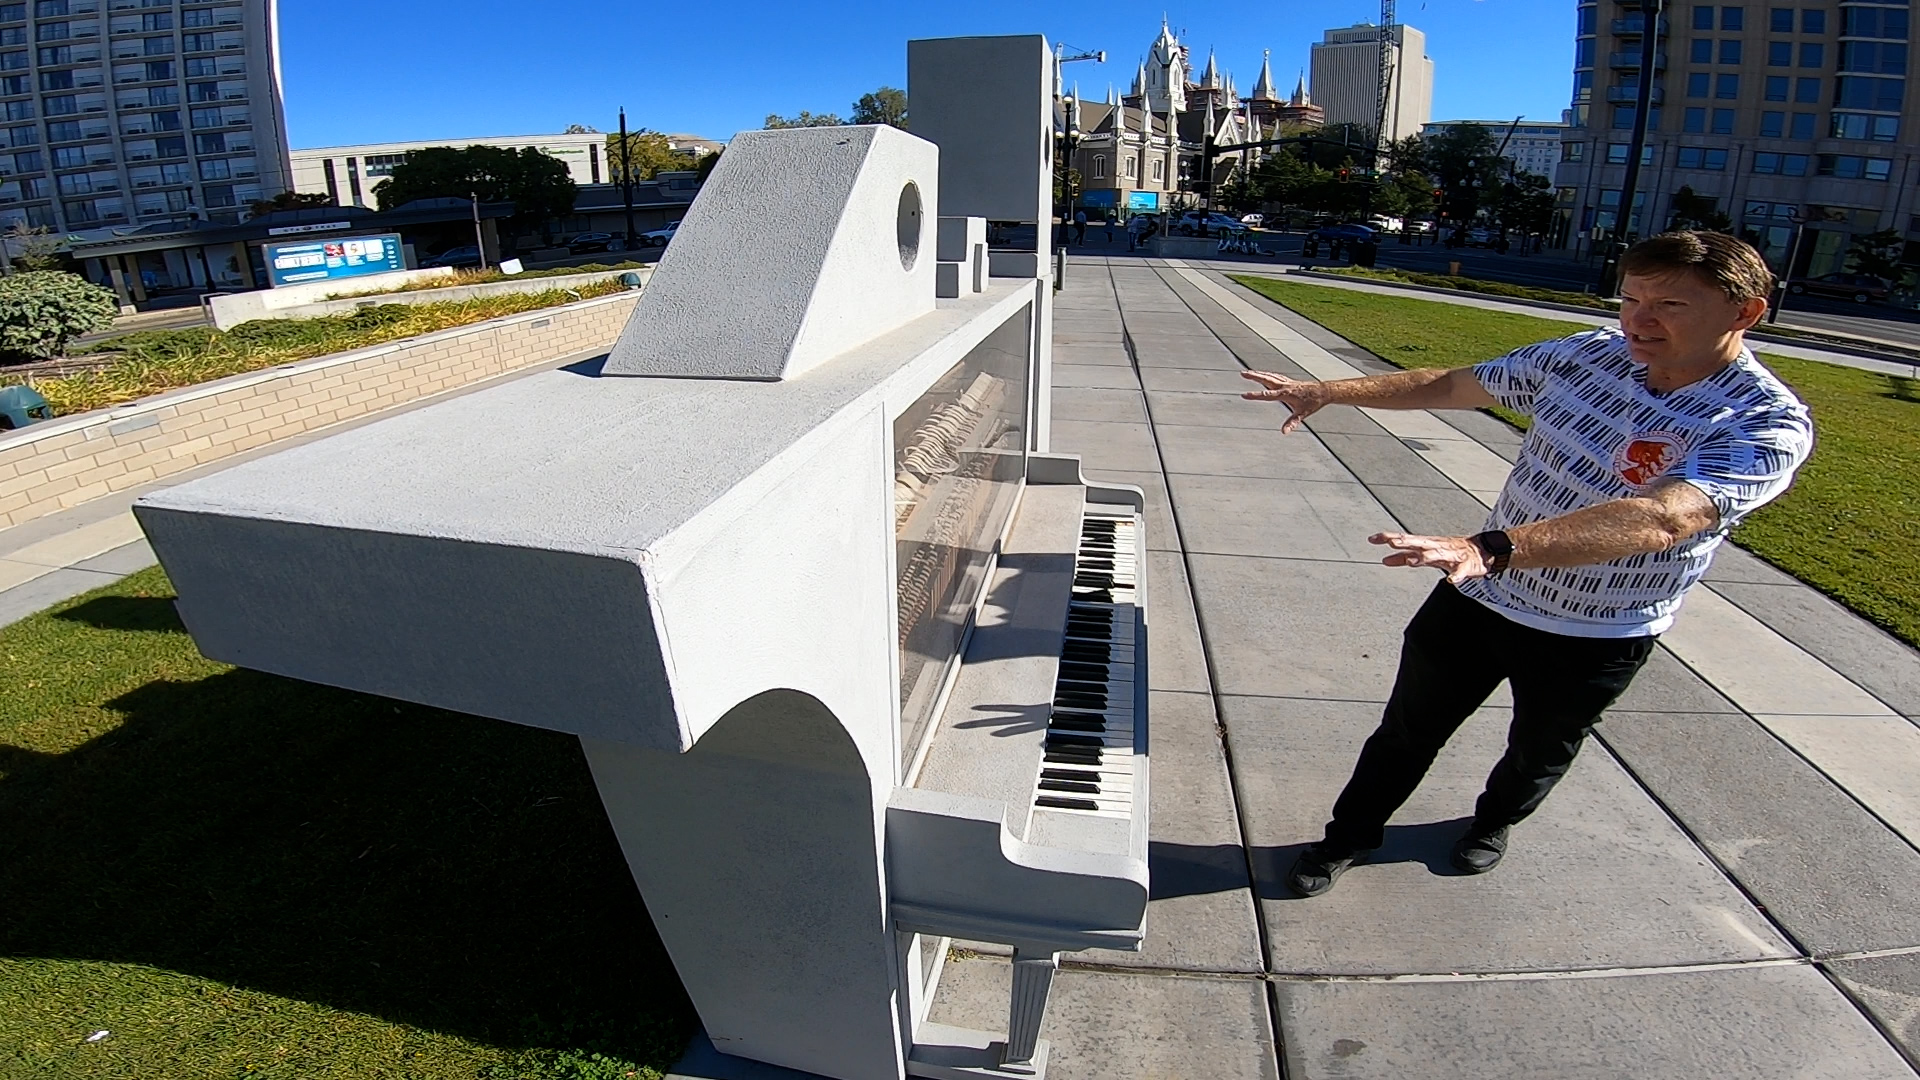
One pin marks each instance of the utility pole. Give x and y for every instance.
(626, 176)
(1650, 12)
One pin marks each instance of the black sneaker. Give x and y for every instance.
(1479, 850)
(1319, 866)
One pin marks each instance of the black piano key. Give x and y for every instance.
(1085, 672)
(1077, 786)
(1060, 723)
(1090, 759)
(1083, 775)
(1058, 802)
(1079, 714)
(1058, 739)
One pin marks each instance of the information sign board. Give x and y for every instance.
(333, 259)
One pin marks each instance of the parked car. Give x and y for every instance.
(468, 255)
(1253, 220)
(1385, 224)
(1419, 227)
(591, 241)
(659, 237)
(1189, 224)
(1349, 233)
(1860, 288)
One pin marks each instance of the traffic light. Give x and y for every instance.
(1345, 175)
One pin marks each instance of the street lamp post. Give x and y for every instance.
(479, 238)
(1793, 257)
(1651, 11)
(626, 176)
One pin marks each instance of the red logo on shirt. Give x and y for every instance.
(1646, 457)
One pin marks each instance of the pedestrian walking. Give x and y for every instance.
(1079, 226)
(1137, 231)
(1650, 442)
(1110, 221)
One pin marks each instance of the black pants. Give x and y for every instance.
(1455, 654)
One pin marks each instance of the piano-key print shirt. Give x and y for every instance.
(1599, 434)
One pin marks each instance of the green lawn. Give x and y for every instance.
(1845, 526)
(236, 874)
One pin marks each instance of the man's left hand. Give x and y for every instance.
(1455, 556)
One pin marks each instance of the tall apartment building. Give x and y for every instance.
(1779, 112)
(127, 112)
(1532, 146)
(1346, 79)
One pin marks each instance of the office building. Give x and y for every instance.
(1532, 146)
(129, 112)
(1777, 114)
(350, 173)
(1346, 79)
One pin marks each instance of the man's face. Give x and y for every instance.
(1681, 317)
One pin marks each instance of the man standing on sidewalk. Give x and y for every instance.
(1649, 443)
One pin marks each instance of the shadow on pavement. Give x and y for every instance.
(1190, 870)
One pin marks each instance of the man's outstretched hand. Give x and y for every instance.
(1455, 556)
(1303, 398)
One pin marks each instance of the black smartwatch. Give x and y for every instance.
(1498, 547)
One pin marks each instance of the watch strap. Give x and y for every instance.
(1499, 550)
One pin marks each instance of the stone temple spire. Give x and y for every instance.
(1300, 96)
(1263, 89)
(1210, 78)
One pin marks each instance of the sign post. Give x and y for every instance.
(333, 259)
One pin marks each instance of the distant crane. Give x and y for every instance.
(1387, 25)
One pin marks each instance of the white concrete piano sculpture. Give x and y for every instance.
(742, 561)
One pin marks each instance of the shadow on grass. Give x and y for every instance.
(427, 868)
(1902, 387)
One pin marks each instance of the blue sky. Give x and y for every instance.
(358, 71)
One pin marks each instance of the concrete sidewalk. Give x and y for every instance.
(1726, 884)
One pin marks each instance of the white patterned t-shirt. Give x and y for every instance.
(1598, 435)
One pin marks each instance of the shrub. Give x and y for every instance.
(41, 309)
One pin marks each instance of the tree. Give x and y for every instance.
(1695, 211)
(1877, 254)
(651, 155)
(1462, 162)
(805, 119)
(706, 166)
(581, 129)
(884, 106)
(41, 309)
(291, 200)
(37, 247)
(537, 184)
(1525, 204)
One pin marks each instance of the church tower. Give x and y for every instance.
(1166, 88)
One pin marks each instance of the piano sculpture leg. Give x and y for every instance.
(802, 505)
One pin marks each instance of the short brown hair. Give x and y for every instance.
(1726, 262)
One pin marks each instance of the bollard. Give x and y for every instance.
(1453, 269)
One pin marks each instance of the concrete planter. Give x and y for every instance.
(66, 461)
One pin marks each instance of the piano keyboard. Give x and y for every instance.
(1087, 767)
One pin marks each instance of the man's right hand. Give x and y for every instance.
(1303, 398)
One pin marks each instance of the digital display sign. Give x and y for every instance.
(333, 259)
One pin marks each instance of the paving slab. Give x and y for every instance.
(1180, 409)
(1342, 420)
(1731, 562)
(1776, 1022)
(1665, 685)
(1336, 637)
(1114, 355)
(1221, 450)
(1599, 877)
(1829, 873)
(1432, 511)
(1193, 380)
(1889, 988)
(1099, 376)
(1176, 657)
(1886, 666)
(1100, 404)
(1290, 519)
(1122, 447)
(46, 590)
(1105, 1025)
(1383, 459)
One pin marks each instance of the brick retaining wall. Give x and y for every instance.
(66, 461)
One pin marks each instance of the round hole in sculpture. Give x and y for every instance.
(908, 225)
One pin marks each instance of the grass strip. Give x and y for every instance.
(157, 360)
(1843, 528)
(235, 874)
(475, 276)
(1472, 285)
